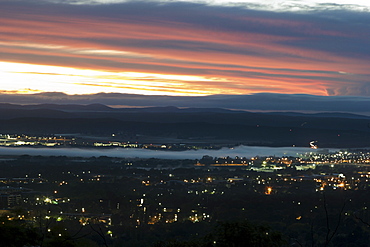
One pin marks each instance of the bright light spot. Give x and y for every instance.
(47, 200)
(268, 191)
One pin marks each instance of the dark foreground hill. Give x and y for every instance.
(189, 132)
(189, 125)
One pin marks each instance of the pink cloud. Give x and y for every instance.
(246, 60)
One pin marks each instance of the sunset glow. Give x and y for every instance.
(30, 78)
(183, 48)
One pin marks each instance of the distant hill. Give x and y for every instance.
(21, 113)
(259, 101)
(104, 108)
(189, 124)
(325, 114)
(169, 109)
(64, 107)
(189, 132)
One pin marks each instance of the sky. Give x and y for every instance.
(186, 48)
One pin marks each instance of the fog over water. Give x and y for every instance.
(241, 151)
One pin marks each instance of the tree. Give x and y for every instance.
(17, 236)
(233, 234)
(244, 233)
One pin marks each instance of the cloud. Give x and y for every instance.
(238, 50)
(270, 5)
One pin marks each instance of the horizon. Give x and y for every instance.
(259, 102)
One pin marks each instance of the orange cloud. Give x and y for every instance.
(238, 60)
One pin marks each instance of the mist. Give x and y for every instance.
(241, 151)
